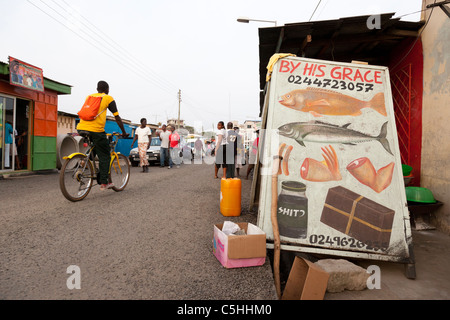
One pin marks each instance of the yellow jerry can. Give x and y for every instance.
(230, 197)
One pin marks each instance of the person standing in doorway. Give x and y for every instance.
(220, 151)
(164, 153)
(143, 135)
(8, 143)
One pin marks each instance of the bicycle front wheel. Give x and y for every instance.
(76, 178)
(120, 172)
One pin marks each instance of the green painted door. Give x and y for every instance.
(44, 153)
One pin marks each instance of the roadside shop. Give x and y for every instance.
(28, 117)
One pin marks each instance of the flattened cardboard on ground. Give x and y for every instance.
(306, 281)
(240, 251)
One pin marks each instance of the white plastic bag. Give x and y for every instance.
(230, 227)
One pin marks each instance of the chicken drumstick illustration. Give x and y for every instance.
(363, 170)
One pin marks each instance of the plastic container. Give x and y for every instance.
(292, 211)
(419, 194)
(406, 170)
(230, 197)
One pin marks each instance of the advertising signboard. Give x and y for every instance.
(340, 187)
(25, 75)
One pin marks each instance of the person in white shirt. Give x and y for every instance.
(143, 135)
(164, 152)
(220, 152)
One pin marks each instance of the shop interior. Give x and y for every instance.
(14, 133)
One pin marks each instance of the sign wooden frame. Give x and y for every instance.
(333, 124)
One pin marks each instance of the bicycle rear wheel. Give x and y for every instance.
(76, 178)
(120, 172)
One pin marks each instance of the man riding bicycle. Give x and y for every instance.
(96, 130)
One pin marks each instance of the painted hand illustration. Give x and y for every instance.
(328, 170)
(364, 171)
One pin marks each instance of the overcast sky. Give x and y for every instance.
(147, 50)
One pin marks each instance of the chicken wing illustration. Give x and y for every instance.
(320, 171)
(364, 171)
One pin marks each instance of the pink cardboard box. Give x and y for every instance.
(234, 251)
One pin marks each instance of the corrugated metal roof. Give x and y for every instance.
(344, 40)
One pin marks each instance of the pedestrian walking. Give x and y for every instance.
(231, 147)
(175, 147)
(220, 151)
(198, 146)
(164, 155)
(252, 154)
(187, 154)
(143, 135)
(240, 152)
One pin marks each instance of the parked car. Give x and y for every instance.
(152, 153)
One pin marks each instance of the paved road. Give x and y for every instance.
(151, 241)
(154, 241)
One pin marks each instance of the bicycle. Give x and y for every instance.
(80, 170)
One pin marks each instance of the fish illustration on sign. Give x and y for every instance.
(320, 102)
(317, 131)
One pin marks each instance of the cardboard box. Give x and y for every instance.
(240, 251)
(306, 281)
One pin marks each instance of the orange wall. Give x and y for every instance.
(45, 108)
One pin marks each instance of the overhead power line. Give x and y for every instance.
(90, 33)
(120, 48)
(112, 53)
(415, 41)
(315, 10)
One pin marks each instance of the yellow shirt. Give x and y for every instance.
(98, 124)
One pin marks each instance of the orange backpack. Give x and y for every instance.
(89, 110)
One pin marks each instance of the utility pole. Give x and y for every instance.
(229, 106)
(179, 106)
(156, 118)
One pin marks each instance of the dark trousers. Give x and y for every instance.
(165, 155)
(221, 157)
(231, 167)
(103, 151)
(231, 163)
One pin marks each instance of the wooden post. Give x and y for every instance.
(274, 219)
